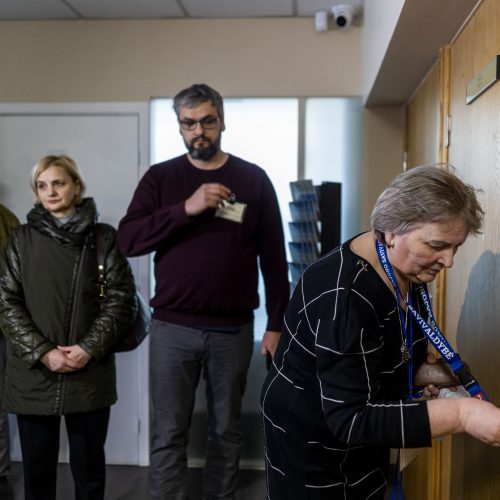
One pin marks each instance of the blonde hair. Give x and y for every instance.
(62, 161)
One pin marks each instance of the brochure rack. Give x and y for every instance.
(315, 225)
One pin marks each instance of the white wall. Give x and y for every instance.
(72, 61)
(380, 19)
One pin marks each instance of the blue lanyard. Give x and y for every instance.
(407, 329)
(430, 328)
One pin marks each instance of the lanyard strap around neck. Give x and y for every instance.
(431, 329)
(406, 326)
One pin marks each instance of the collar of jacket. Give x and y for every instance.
(71, 234)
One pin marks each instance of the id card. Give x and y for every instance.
(232, 211)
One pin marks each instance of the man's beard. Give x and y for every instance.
(203, 153)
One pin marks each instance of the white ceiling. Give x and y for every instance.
(162, 9)
(424, 26)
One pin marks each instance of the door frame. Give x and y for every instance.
(141, 265)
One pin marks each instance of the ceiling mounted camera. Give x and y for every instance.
(343, 15)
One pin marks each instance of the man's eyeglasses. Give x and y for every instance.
(207, 123)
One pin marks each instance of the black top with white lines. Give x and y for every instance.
(335, 399)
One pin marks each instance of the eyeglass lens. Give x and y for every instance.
(208, 122)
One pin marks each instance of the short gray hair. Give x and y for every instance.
(429, 193)
(197, 94)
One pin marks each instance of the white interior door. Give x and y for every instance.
(109, 143)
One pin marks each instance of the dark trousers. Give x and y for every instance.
(39, 437)
(178, 355)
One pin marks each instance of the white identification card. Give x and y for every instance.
(232, 211)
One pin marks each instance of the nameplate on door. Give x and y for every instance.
(483, 80)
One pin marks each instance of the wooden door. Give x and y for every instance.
(426, 144)
(473, 284)
(423, 121)
(461, 468)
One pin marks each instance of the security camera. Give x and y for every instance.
(343, 15)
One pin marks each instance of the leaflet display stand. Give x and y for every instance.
(329, 207)
(315, 225)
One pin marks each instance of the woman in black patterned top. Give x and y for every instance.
(338, 395)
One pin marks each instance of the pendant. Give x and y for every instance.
(405, 353)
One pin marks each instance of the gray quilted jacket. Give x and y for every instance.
(48, 297)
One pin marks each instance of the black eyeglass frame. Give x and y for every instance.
(207, 123)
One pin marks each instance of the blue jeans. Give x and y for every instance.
(178, 355)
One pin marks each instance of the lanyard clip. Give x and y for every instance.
(470, 383)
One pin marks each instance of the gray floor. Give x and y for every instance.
(131, 483)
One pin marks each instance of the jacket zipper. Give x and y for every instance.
(74, 305)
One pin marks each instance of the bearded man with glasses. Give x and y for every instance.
(211, 217)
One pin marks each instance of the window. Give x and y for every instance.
(333, 152)
(272, 132)
(261, 131)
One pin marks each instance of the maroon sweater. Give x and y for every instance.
(206, 267)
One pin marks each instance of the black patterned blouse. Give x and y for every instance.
(335, 399)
